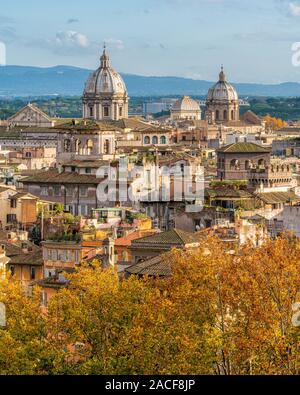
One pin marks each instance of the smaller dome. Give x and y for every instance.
(222, 90)
(186, 104)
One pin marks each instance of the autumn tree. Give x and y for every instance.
(273, 123)
(226, 310)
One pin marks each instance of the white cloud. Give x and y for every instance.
(294, 9)
(66, 43)
(72, 39)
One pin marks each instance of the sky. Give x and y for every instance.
(185, 38)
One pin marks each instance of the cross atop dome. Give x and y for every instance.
(222, 76)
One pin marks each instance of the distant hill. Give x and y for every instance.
(67, 80)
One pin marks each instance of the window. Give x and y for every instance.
(13, 203)
(77, 146)
(52, 254)
(106, 147)
(32, 273)
(248, 164)
(89, 146)
(147, 140)
(83, 210)
(106, 111)
(57, 190)
(44, 191)
(67, 145)
(69, 191)
(120, 111)
(163, 140)
(154, 140)
(83, 191)
(91, 111)
(11, 218)
(12, 270)
(217, 115)
(235, 165)
(88, 170)
(62, 255)
(225, 115)
(28, 155)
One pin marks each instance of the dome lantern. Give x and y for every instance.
(104, 60)
(222, 76)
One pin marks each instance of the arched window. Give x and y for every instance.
(261, 163)
(217, 115)
(147, 140)
(89, 146)
(248, 164)
(225, 115)
(67, 145)
(77, 146)
(154, 140)
(234, 164)
(163, 140)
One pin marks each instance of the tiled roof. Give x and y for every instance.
(174, 237)
(87, 163)
(54, 177)
(127, 240)
(138, 125)
(156, 267)
(278, 197)
(244, 148)
(5, 189)
(52, 282)
(13, 250)
(21, 195)
(228, 193)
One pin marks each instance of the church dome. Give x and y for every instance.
(222, 90)
(186, 104)
(105, 80)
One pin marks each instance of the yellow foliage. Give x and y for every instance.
(274, 123)
(219, 313)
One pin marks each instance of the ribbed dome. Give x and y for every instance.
(105, 80)
(186, 104)
(222, 90)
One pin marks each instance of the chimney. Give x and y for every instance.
(26, 248)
